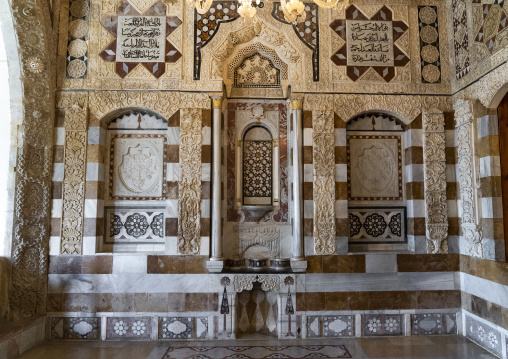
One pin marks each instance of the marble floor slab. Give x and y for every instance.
(435, 347)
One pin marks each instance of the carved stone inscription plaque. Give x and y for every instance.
(374, 167)
(137, 167)
(369, 43)
(141, 39)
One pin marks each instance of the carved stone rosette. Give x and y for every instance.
(73, 197)
(436, 210)
(470, 229)
(33, 33)
(324, 182)
(245, 282)
(189, 186)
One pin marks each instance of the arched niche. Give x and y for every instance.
(140, 147)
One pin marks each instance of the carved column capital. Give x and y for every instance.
(297, 101)
(433, 120)
(216, 100)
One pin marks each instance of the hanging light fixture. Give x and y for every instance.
(293, 9)
(246, 10)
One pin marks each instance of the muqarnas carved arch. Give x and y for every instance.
(237, 41)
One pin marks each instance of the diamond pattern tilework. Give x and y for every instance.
(460, 38)
(382, 325)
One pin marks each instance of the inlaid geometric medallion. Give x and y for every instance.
(369, 43)
(141, 39)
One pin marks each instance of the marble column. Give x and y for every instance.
(297, 145)
(216, 224)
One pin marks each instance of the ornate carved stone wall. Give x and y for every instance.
(349, 105)
(73, 196)
(189, 186)
(324, 182)
(467, 179)
(436, 211)
(32, 24)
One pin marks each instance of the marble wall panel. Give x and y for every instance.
(313, 326)
(483, 335)
(338, 326)
(129, 328)
(175, 328)
(382, 325)
(129, 226)
(377, 225)
(427, 324)
(76, 328)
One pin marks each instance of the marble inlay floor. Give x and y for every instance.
(438, 347)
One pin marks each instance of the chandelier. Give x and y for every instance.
(293, 10)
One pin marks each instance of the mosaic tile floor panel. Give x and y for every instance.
(259, 352)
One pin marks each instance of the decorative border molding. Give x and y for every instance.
(31, 22)
(166, 104)
(348, 106)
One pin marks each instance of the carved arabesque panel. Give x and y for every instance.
(324, 182)
(436, 209)
(470, 228)
(189, 186)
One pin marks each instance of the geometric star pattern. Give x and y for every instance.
(156, 68)
(354, 72)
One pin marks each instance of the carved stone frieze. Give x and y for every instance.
(469, 225)
(164, 103)
(349, 105)
(245, 282)
(324, 182)
(436, 210)
(33, 34)
(189, 186)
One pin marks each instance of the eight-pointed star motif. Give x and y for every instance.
(156, 68)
